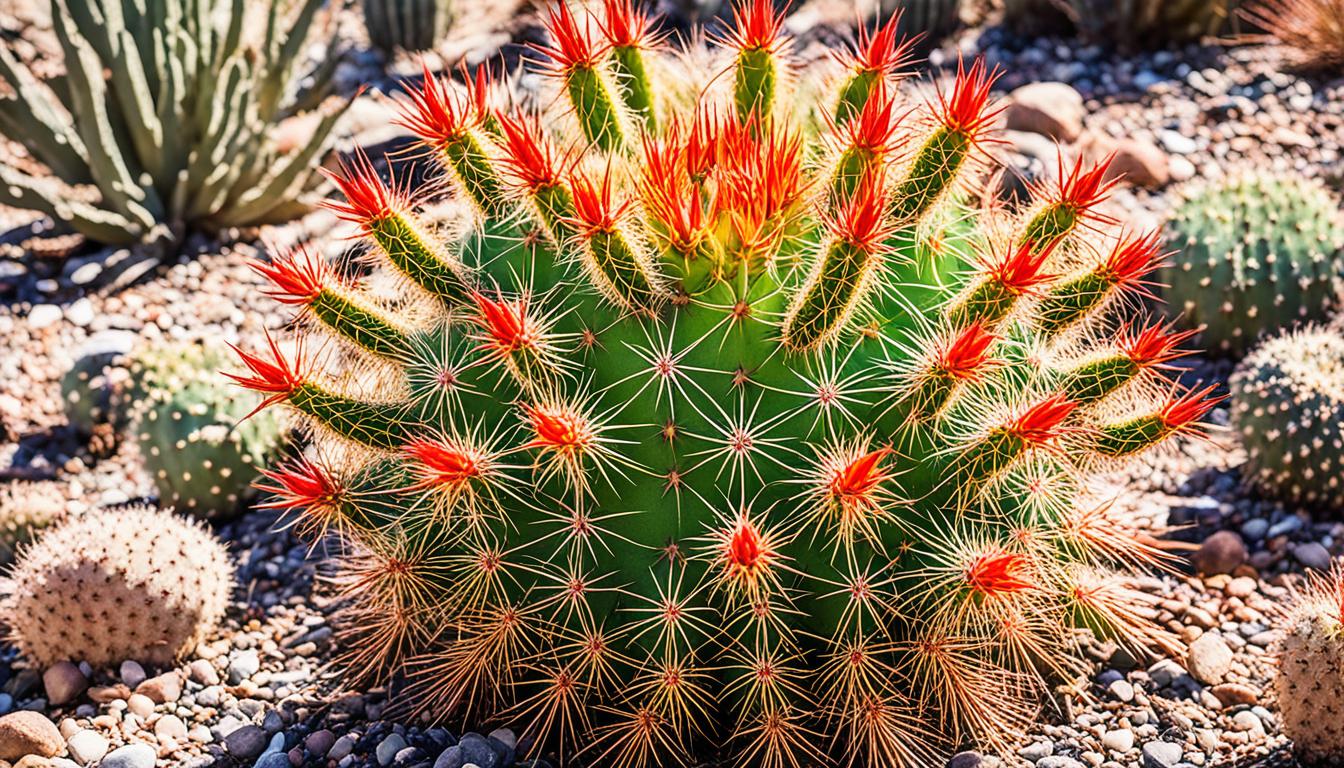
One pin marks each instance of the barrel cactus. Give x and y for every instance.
(408, 25)
(1310, 677)
(931, 18)
(165, 117)
(136, 583)
(729, 419)
(1258, 252)
(1134, 23)
(190, 427)
(1288, 408)
(95, 394)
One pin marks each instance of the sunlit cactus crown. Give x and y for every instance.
(730, 426)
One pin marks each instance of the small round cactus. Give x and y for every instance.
(1288, 406)
(190, 426)
(136, 583)
(1257, 253)
(94, 389)
(25, 509)
(1310, 680)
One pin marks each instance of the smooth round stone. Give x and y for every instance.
(86, 747)
(130, 756)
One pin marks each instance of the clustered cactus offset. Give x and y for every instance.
(165, 118)
(408, 25)
(1310, 680)
(1257, 252)
(1288, 408)
(190, 427)
(136, 583)
(25, 509)
(728, 420)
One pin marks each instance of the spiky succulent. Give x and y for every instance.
(190, 427)
(728, 419)
(165, 118)
(1257, 252)
(26, 509)
(111, 585)
(1309, 682)
(1288, 408)
(407, 25)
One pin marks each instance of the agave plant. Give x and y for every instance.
(1313, 30)
(164, 119)
(730, 421)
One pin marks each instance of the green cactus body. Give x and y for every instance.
(1288, 408)
(738, 444)
(1135, 23)
(196, 445)
(407, 25)
(94, 394)
(1308, 677)
(933, 19)
(1257, 253)
(112, 585)
(168, 112)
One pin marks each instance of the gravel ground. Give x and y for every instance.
(262, 691)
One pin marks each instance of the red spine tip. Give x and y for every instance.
(1184, 411)
(297, 277)
(443, 462)
(574, 46)
(861, 476)
(298, 484)
(745, 547)
(556, 428)
(966, 354)
(996, 574)
(1042, 421)
(874, 129)
(1083, 189)
(881, 51)
(529, 157)
(505, 323)
(966, 110)
(1153, 345)
(438, 114)
(367, 198)
(862, 219)
(1133, 259)
(1021, 270)
(756, 26)
(593, 203)
(625, 25)
(274, 377)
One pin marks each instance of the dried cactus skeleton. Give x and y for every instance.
(164, 119)
(729, 419)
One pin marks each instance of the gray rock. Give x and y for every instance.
(450, 758)
(966, 760)
(273, 760)
(1118, 740)
(243, 666)
(1058, 761)
(1161, 754)
(130, 756)
(1035, 751)
(132, 674)
(1255, 528)
(247, 742)
(388, 748)
(343, 746)
(476, 749)
(1177, 143)
(64, 683)
(1312, 555)
(319, 742)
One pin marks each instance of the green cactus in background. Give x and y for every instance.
(1288, 408)
(408, 25)
(164, 119)
(196, 445)
(1132, 23)
(729, 404)
(1256, 253)
(934, 19)
(94, 394)
(25, 509)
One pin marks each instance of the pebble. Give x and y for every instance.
(1209, 658)
(1119, 740)
(959, 760)
(130, 756)
(273, 760)
(342, 747)
(203, 672)
(242, 666)
(1058, 761)
(1161, 754)
(44, 316)
(246, 743)
(388, 748)
(162, 689)
(1313, 555)
(140, 704)
(29, 733)
(170, 727)
(1220, 553)
(87, 746)
(132, 674)
(319, 742)
(64, 682)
